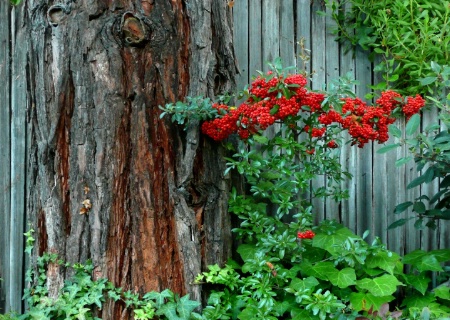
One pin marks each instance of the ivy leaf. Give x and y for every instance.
(419, 282)
(169, 310)
(301, 285)
(365, 301)
(321, 270)
(418, 301)
(247, 251)
(381, 286)
(429, 263)
(333, 242)
(442, 292)
(414, 257)
(383, 260)
(442, 255)
(343, 278)
(186, 306)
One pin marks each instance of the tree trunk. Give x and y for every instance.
(97, 72)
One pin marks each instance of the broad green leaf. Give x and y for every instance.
(414, 257)
(383, 260)
(307, 283)
(169, 310)
(321, 270)
(281, 307)
(419, 282)
(413, 124)
(365, 301)
(186, 306)
(442, 255)
(333, 242)
(429, 263)
(381, 286)
(442, 292)
(343, 278)
(419, 207)
(247, 251)
(301, 314)
(388, 148)
(417, 301)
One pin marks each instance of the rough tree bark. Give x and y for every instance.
(97, 71)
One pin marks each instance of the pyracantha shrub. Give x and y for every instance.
(276, 98)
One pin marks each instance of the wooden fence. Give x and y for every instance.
(264, 29)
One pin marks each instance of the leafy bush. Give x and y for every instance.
(407, 35)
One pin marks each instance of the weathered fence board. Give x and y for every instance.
(5, 157)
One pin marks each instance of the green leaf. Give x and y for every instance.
(247, 251)
(413, 301)
(395, 131)
(260, 139)
(419, 207)
(419, 282)
(417, 181)
(382, 286)
(364, 301)
(428, 80)
(442, 255)
(333, 242)
(414, 257)
(429, 263)
(321, 270)
(388, 148)
(301, 285)
(186, 306)
(403, 161)
(442, 292)
(343, 278)
(413, 124)
(402, 207)
(274, 109)
(398, 223)
(383, 260)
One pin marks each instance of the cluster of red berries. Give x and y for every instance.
(263, 107)
(308, 234)
(413, 106)
(266, 105)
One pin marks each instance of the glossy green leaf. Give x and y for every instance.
(388, 148)
(380, 286)
(413, 124)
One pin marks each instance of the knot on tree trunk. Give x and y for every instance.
(133, 29)
(57, 13)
